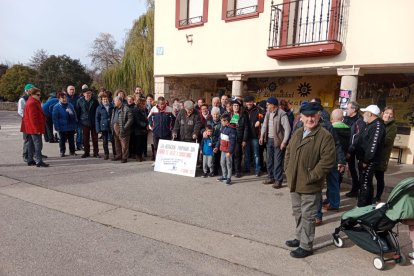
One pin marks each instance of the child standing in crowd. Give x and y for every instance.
(226, 144)
(207, 150)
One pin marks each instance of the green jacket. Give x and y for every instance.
(308, 160)
(390, 133)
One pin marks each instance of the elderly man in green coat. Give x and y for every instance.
(310, 155)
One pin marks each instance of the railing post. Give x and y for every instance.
(285, 23)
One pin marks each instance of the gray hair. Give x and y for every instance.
(118, 98)
(215, 109)
(188, 105)
(355, 106)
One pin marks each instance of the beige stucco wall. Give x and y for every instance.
(378, 33)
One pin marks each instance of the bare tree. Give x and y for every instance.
(104, 52)
(39, 56)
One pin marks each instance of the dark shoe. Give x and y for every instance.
(42, 164)
(85, 155)
(204, 175)
(300, 253)
(293, 243)
(115, 159)
(79, 147)
(228, 181)
(96, 155)
(221, 178)
(73, 154)
(238, 175)
(62, 154)
(257, 174)
(318, 221)
(269, 181)
(351, 194)
(124, 161)
(31, 163)
(328, 207)
(277, 185)
(44, 156)
(211, 174)
(139, 158)
(106, 156)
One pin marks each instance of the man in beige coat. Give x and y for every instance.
(309, 157)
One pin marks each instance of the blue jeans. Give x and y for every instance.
(252, 146)
(332, 191)
(274, 159)
(79, 137)
(34, 147)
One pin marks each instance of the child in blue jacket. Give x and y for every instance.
(208, 153)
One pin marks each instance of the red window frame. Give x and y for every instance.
(177, 15)
(260, 9)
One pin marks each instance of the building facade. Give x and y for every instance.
(337, 50)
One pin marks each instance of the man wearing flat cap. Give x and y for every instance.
(310, 155)
(367, 147)
(275, 134)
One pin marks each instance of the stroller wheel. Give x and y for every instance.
(379, 263)
(338, 242)
(401, 260)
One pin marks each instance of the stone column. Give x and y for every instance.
(237, 84)
(349, 80)
(161, 87)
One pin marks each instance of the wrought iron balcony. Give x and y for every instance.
(305, 28)
(190, 21)
(242, 11)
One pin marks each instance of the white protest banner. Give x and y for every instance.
(176, 157)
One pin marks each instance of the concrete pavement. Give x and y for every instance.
(96, 217)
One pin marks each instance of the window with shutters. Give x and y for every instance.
(234, 10)
(191, 13)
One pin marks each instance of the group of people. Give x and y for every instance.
(311, 148)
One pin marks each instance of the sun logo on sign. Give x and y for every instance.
(304, 89)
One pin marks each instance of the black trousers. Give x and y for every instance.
(67, 136)
(238, 156)
(379, 176)
(366, 190)
(49, 130)
(140, 142)
(354, 174)
(105, 140)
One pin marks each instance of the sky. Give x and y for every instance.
(62, 26)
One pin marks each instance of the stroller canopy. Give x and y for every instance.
(401, 200)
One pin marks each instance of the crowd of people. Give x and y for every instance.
(236, 136)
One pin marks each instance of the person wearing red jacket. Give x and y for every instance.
(33, 124)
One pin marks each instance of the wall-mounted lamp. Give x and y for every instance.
(189, 38)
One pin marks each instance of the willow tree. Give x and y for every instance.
(136, 66)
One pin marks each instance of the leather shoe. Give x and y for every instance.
(115, 159)
(85, 155)
(300, 253)
(42, 164)
(293, 243)
(269, 181)
(277, 185)
(351, 194)
(31, 163)
(124, 160)
(328, 207)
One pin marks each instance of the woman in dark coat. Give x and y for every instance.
(65, 122)
(140, 126)
(390, 133)
(103, 124)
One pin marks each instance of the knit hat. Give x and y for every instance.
(273, 100)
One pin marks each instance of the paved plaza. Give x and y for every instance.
(96, 217)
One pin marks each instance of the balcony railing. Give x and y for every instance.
(190, 21)
(241, 11)
(306, 22)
